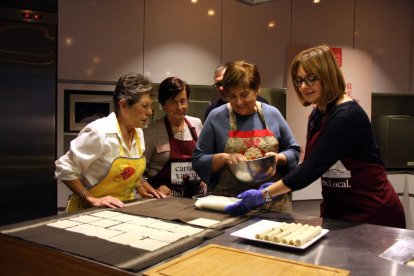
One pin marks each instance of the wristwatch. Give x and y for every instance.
(266, 195)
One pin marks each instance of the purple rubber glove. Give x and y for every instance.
(249, 199)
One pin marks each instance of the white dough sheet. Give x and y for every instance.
(214, 202)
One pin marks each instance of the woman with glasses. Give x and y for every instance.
(170, 142)
(241, 130)
(105, 163)
(340, 149)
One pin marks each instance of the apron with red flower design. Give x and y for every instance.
(252, 144)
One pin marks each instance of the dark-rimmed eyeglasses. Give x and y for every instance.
(218, 85)
(309, 80)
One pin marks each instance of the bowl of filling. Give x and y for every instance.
(254, 171)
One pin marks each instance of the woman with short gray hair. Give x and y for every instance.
(105, 163)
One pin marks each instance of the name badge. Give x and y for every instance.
(180, 170)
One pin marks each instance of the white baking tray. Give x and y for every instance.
(250, 232)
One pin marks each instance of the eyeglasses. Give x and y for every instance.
(147, 106)
(176, 103)
(309, 80)
(218, 85)
(244, 96)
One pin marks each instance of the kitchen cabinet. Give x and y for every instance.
(312, 192)
(399, 182)
(100, 40)
(403, 183)
(385, 28)
(258, 34)
(328, 22)
(382, 27)
(182, 39)
(411, 85)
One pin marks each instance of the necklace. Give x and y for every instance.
(128, 138)
(178, 131)
(179, 134)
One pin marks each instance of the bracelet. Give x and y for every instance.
(266, 195)
(82, 194)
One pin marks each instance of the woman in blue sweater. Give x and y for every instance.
(240, 130)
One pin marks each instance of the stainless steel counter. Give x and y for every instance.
(347, 246)
(354, 247)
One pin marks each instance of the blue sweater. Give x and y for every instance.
(214, 136)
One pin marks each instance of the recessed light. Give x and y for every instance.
(211, 12)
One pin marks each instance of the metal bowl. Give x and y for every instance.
(254, 171)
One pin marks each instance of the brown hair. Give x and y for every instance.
(170, 87)
(320, 62)
(240, 74)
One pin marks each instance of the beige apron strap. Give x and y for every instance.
(260, 111)
(232, 116)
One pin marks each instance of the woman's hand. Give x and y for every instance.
(281, 159)
(203, 186)
(234, 158)
(145, 190)
(79, 189)
(221, 159)
(106, 201)
(249, 199)
(164, 190)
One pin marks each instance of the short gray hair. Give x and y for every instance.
(131, 87)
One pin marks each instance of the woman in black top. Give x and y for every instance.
(340, 149)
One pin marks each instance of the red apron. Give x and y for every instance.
(357, 191)
(178, 174)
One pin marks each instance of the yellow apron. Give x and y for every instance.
(120, 180)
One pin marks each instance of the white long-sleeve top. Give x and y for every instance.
(91, 153)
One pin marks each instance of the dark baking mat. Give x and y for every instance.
(101, 250)
(49, 236)
(183, 210)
